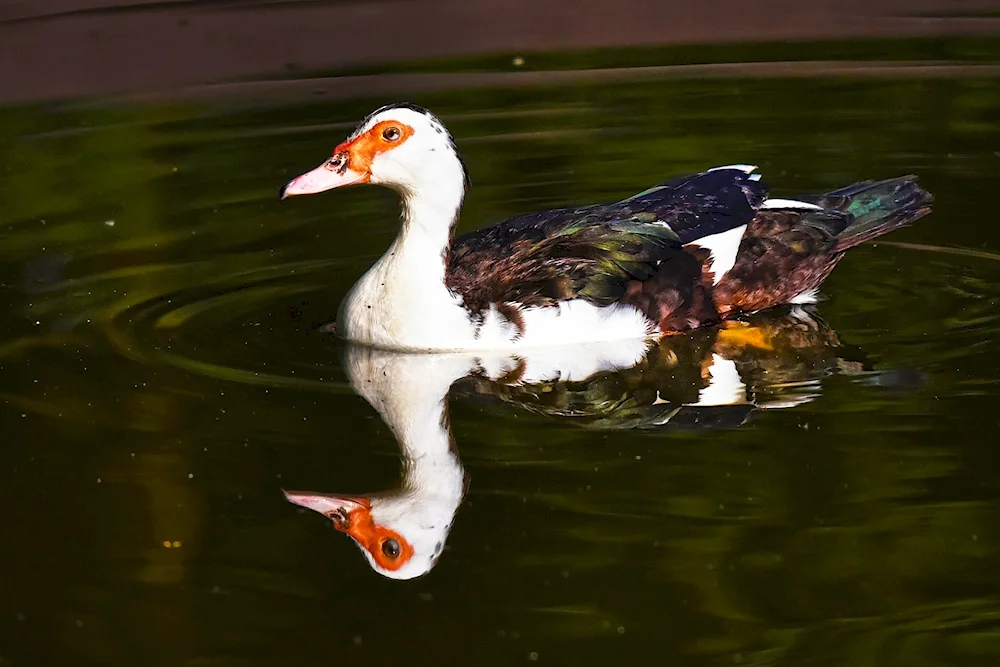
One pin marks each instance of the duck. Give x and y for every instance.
(713, 378)
(689, 252)
(402, 532)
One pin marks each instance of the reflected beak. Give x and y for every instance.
(334, 173)
(339, 509)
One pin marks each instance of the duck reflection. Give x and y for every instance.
(706, 379)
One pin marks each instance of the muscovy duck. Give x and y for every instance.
(690, 252)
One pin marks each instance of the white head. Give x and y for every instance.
(402, 534)
(400, 146)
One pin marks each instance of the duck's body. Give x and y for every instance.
(686, 253)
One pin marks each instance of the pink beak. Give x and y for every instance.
(333, 507)
(324, 177)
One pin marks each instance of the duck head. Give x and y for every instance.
(401, 146)
(402, 535)
(402, 531)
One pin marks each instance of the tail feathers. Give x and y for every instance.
(877, 207)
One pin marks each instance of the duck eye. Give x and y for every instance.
(390, 548)
(391, 134)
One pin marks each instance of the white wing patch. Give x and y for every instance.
(725, 386)
(809, 296)
(745, 168)
(723, 247)
(789, 203)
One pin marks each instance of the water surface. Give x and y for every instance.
(163, 379)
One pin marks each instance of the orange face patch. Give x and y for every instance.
(389, 549)
(380, 138)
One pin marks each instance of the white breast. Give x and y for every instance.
(401, 321)
(567, 323)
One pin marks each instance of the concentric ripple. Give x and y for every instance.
(217, 318)
(262, 326)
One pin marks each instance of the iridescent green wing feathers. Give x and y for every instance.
(593, 252)
(572, 254)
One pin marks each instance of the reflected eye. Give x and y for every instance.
(391, 134)
(390, 548)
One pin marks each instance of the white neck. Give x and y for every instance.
(410, 392)
(430, 213)
(402, 302)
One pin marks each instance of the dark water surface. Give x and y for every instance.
(162, 380)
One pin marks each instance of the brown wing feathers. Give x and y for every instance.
(604, 253)
(631, 251)
(783, 254)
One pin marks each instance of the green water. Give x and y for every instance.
(162, 380)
